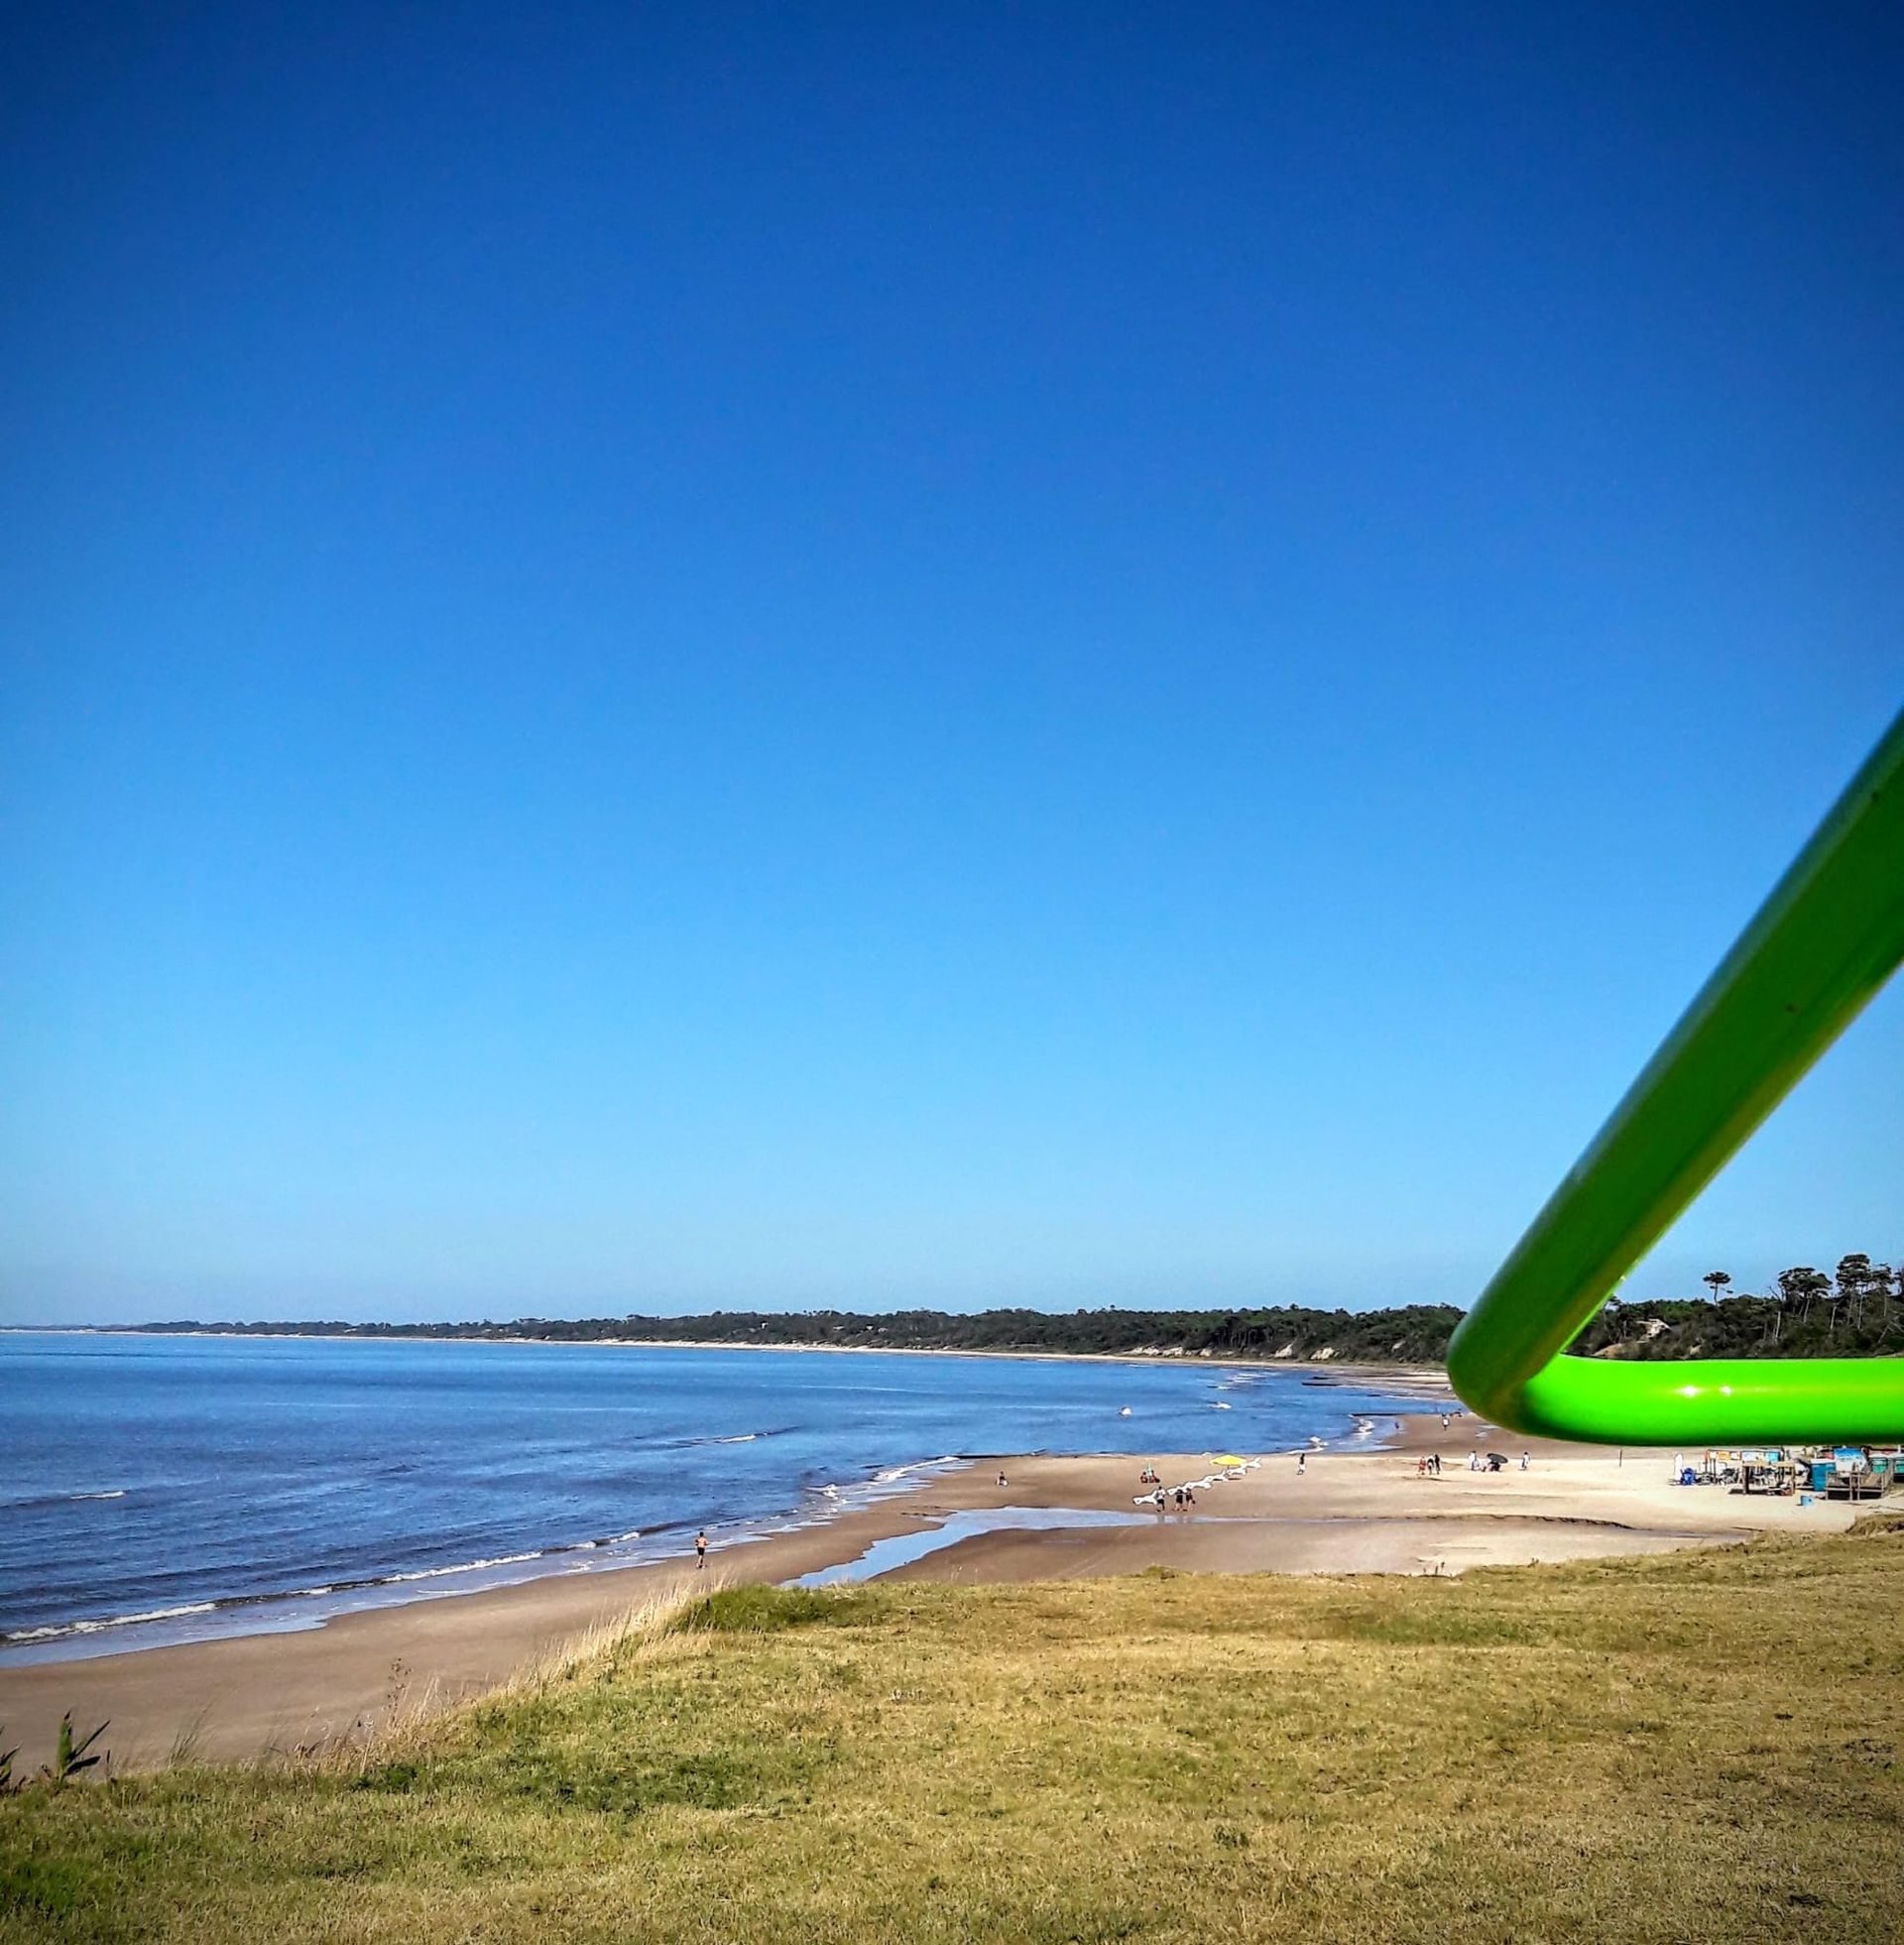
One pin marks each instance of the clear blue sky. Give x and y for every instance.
(665, 657)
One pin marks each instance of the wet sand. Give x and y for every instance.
(1349, 1511)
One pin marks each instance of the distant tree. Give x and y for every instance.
(1800, 1288)
(1716, 1281)
(1853, 1279)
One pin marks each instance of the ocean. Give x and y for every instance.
(160, 1489)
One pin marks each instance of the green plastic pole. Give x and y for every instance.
(1819, 950)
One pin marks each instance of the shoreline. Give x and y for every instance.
(1360, 1510)
(296, 1609)
(283, 1596)
(301, 1610)
(1431, 1374)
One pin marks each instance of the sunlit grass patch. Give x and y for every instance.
(752, 1610)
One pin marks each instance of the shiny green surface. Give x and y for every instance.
(1820, 948)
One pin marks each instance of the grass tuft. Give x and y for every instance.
(772, 1610)
(1888, 1524)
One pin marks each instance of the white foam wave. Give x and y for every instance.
(892, 1473)
(60, 1498)
(463, 1567)
(64, 1628)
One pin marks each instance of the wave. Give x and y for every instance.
(62, 1631)
(865, 1491)
(352, 1586)
(21, 1635)
(716, 1438)
(612, 1540)
(463, 1567)
(421, 1573)
(892, 1473)
(60, 1498)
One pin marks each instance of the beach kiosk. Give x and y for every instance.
(1851, 1475)
(1768, 1469)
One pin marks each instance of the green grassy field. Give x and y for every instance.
(1691, 1746)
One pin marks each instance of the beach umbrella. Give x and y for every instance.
(1226, 1459)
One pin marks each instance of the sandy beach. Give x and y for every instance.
(1347, 1511)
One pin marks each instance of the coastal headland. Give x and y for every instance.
(995, 1519)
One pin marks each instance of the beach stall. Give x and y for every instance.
(1881, 1472)
(1769, 1470)
(1853, 1476)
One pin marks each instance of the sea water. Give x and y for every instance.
(158, 1489)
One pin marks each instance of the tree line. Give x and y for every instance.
(1408, 1334)
(1856, 1312)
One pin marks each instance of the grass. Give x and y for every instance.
(1696, 1747)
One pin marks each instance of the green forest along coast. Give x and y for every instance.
(1858, 1310)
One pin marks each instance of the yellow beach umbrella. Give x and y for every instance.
(1226, 1459)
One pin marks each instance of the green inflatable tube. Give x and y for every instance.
(1819, 950)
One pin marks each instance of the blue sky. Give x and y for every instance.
(1068, 655)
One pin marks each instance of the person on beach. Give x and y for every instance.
(1001, 1479)
(1524, 1457)
(1302, 1464)
(700, 1551)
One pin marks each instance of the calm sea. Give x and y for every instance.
(172, 1488)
